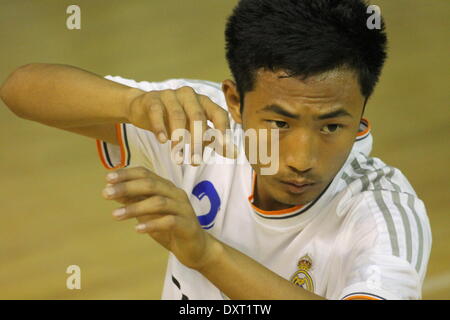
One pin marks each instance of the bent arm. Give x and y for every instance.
(67, 97)
(242, 278)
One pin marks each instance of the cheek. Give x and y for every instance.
(333, 158)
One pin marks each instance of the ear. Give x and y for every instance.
(233, 100)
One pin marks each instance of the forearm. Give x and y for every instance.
(242, 278)
(64, 96)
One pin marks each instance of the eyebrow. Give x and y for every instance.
(335, 114)
(281, 111)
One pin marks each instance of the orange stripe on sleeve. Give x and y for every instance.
(101, 155)
(122, 147)
(123, 152)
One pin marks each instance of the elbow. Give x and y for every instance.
(5, 90)
(18, 76)
(14, 84)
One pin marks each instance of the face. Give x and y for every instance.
(317, 118)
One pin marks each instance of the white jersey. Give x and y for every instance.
(367, 236)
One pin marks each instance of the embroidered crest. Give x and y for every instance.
(302, 277)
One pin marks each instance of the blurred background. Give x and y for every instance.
(52, 212)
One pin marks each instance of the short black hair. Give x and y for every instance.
(304, 38)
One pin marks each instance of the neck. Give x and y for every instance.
(263, 201)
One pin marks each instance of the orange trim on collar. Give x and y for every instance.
(273, 212)
(369, 127)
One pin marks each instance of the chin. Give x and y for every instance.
(299, 201)
(294, 200)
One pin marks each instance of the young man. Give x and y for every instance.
(331, 222)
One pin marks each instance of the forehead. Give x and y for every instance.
(338, 86)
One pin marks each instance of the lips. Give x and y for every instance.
(298, 186)
(298, 183)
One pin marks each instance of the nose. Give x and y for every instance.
(301, 151)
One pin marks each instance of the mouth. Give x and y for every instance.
(298, 186)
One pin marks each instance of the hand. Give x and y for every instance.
(163, 211)
(163, 112)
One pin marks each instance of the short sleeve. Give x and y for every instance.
(381, 277)
(139, 147)
(386, 245)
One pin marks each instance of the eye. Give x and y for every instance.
(276, 124)
(331, 128)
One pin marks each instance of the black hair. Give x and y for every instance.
(304, 38)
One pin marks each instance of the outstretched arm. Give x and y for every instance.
(68, 98)
(76, 100)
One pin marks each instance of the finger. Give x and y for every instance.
(162, 227)
(122, 200)
(162, 224)
(128, 174)
(156, 114)
(221, 143)
(175, 113)
(219, 117)
(197, 128)
(142, 187)
(197, 121)
(131, 173)
(214, 113)
(129, 200)
(156, 205)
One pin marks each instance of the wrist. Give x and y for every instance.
(129, 95)
(213, 252)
